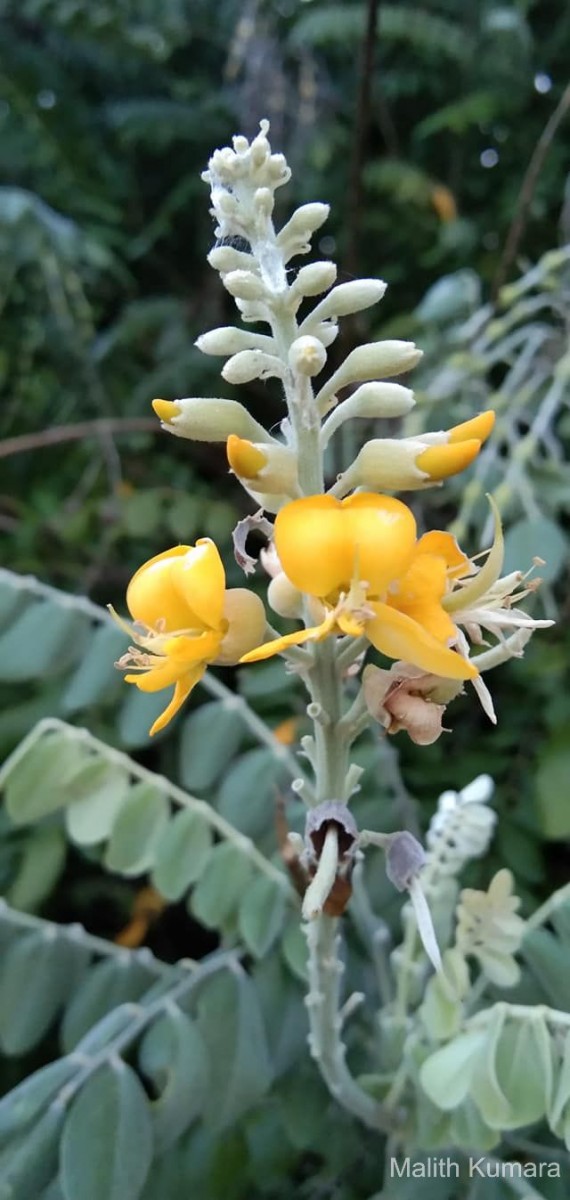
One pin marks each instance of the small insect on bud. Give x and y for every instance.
(307, 355)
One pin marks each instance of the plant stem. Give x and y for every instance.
(327, 1048)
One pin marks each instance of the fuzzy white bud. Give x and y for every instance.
(251, 364)
(326, 332)
(315, 278)
(307, 355)
(375, 360)
(225, 258)
(229, 340)
(208, 420)
(347, 298)
(370, 401)
(303, 222)
(385, 464)
(244, 285)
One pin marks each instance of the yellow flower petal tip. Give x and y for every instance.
(439, 462)
(479, 427)
(166, 410)
(245, 459)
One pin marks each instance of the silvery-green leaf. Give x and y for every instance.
(182, 854)
(137, 830)
(138, 713)
(446, 1076)
(42, 862)
(96, 676)
(108, 984)
(46, 634)
(229, 1020)
(27, 1165)
(210, 737)
(486, 1089)
(106, 1149)
(24, 1103)
(219, 890)
(261, 914)
(37, 973)
(172, 1054)
(37, 784)
(97, 795)
(524, 1065)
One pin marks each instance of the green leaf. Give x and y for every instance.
(137, 831)
(284, 1013)
(294, 949)
(36, 785)
(97, 795)
(106, 1149)
(549, 966)
(41, 640)
(96, 676)
(41, 865)
(468, 1129)
(138, 714)
(561, 1098)
(37, 973)
(173, 1055)
(210, 737)
(247, 795)
(218, 893)
(107, 985)
(229, 1020)
(524, 1064)
(182, 854)
(261, 915)
(24, 1104)
(551, 787)
(486, 1089)
(28, 1165)
(446, 1076)
(527, 538)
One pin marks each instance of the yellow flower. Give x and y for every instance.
(360, 558)
(184, 619)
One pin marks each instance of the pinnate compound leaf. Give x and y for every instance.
(37, 973)
(446, 1076)
(229, 1020)
(173, 1055)
(210, 737)
(106, 1149)
(137, 830)
(182, 854)
(262, 915)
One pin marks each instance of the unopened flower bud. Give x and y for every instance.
(315, 278)
(307, 355)
(347, 298)
(285, 599)
(264, 202)
(388, 464)
(208, 420)
(375, 360)
(245, 614)
(244, 285)
(405, 857)
(303, 222)
(371, 401)
(225, 258)
(230, 340)
(269, 467)
(251, 364)
(326, 332)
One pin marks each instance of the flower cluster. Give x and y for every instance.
(347, 561)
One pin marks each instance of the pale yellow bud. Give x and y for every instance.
(347, 298)
(284, 598)
(251, 364)
(229, 340)
(245, 614)
(375, 360)
(307, 355)
(208, 420)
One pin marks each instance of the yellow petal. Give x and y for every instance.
(166, 410)
(479, 427)
(315, 634)
(444, 545)
(152, 596)
(324, 543)
(311, 544)
(181, 691)
(439, 462)
(159, 677)
(398, 636)
(200, 581)
(382, 531)
(245, 459)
